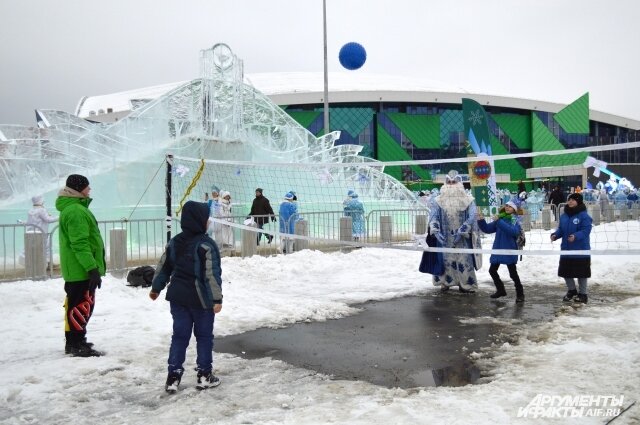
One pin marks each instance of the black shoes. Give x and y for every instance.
(81, 349)
(581, 298)
(498, 294)
(569, 296)
(207, 380)
(519, 298)
(173, 381)
(466, 291)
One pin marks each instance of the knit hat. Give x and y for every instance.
(259, 190)
(37, 200)
(512, 205)
(77, 182)
(352, 194)
(288, 196)
(576, 197)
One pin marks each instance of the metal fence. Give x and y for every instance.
(146, 239)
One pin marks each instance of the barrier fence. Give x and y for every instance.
(25, 253)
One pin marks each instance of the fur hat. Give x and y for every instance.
(77, 182)
(37, 200)
(576, 197)
(453, 177)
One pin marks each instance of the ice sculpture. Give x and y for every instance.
(217, 116)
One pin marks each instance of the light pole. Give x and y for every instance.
(326, 75)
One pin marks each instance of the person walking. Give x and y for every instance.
(574, 230)
(506, 226)
(191, 264)
(82, 261)
(261, 211)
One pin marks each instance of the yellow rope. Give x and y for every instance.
(194, 181)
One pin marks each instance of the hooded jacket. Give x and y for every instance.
(81, 245)
(507, 231)
(191, 262)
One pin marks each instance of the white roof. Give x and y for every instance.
(300, 88)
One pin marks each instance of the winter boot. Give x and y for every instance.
(500, 291)
(570, 294)
(582, 298)
(207, 380)
(519, 294)
(81, 349)
(173, 381)
(466, 291)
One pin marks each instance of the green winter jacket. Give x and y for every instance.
(81, 245)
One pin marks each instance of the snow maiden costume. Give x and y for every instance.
(453, 222)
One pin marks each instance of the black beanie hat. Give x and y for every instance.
(77, 182)
(259, 190)
(577, 197)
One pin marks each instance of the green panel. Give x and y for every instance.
(517, 127)
(422, 130)
(544, 140)
(574, 118)
(304, 118)
(450, 122)
(390, 150)
(351, 120)
(506, 166)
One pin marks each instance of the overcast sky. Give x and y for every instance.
(55, 52)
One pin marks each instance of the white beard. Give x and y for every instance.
(453, 199)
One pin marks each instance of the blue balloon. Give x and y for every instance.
(352, 56)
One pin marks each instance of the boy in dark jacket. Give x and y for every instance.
(191, 262)
(507, 228)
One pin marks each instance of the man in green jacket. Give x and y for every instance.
(81, 260)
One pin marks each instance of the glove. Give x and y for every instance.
(463, 229)
(457, 238)
(274, 219)
(95, 281)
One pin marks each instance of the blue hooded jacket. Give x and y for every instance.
(191, 262)
(507, 232)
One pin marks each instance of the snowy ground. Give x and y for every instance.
(591, 351)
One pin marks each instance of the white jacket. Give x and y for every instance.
(38, 216)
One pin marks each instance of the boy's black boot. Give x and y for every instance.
(569, 296)
(173, 381)
(207, 380)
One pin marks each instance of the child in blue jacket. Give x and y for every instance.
(506, 226)
(191, 262)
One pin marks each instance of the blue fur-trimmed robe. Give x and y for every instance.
(459, 268)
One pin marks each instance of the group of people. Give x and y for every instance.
(456, 223)
(191, 262)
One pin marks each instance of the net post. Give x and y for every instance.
(169, 161)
